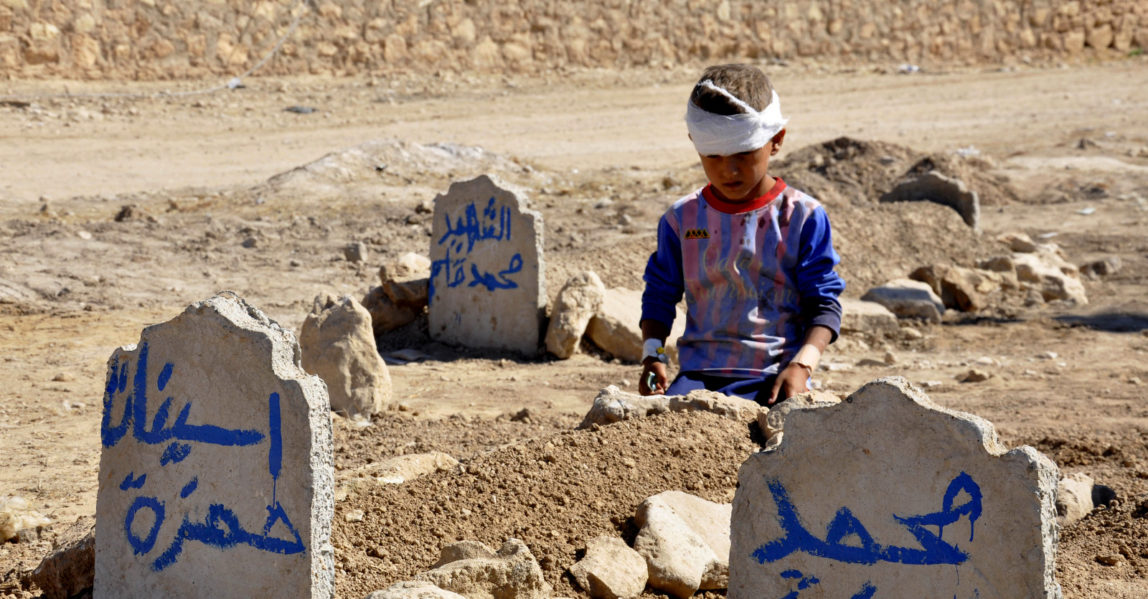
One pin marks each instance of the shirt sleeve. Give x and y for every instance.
(817, 282)
(665, 283)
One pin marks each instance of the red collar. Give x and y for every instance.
(737, 208)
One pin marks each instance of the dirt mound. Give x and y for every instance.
(859, 171)
(554, 492)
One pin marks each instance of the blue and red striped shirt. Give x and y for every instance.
(755, 275)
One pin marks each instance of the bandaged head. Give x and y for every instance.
(725, 135)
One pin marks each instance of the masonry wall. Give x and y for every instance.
(159, 39)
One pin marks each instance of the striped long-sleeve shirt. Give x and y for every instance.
(755, 276)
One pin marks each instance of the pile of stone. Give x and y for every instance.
(1032, 275)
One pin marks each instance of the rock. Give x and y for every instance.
(1073, 498)
(959, 288)
(405, 281)
(486, 287)
(1018, 242)
(1050, 275)
(338, 345)
(852, 504)
(908, 299)
(512, 574)
(613, 405)
(935, 187)
(577, 302)
(866, 318)
(685, 541)
(385, 314)
(464, 550)
(355, 252)
(1101, 268)
(974, 375)
(395, 470)
(214, 436)
(16, 517)
(414, 589)
(70, 569)
(610, 570)
(616, 327)
(772, 421)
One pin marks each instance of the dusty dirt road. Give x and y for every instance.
(604, 153)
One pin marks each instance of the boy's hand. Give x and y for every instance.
(655, 372)
(790, 382)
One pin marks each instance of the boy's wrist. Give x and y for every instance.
(654, 349)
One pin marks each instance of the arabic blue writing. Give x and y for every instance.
(221, 527)
(804, 582)
(135, 415)
(866, 550)
(493, 224)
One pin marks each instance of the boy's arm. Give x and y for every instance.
(819, 287)
(664, 288)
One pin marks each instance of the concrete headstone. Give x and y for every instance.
(216, 474)
(889, 495)
(487, 286)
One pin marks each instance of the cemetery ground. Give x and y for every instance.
(117, 212)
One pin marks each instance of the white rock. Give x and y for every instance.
(907, 298)
(616, 327)
(612, 405)
(513, 573)
(685, 541)
(339, 346)
(577, 302)
(17, 516)
(414, 589)
(395, 470)
(866, 318)
(610, 570)
(1073, 498)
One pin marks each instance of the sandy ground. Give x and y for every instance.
(604, 154)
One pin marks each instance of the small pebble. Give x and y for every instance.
(354, 516)
(1111, 559)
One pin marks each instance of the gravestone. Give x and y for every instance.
(216, 472)
(486, 286)
(888, 495)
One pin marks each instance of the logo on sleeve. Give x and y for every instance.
(697, 234)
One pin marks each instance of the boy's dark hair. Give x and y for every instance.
(744, 81)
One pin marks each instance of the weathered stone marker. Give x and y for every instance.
(487, 287)
(216, 475)
(889, 495)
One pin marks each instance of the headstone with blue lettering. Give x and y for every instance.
(216, 471)
(487, 286)
(889, 495)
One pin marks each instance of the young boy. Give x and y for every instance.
(753, 257)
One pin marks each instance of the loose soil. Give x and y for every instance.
(119, 211)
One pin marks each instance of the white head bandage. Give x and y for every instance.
(725, 135)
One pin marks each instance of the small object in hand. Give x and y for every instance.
(651, 380)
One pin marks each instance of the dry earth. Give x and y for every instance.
(117, 211)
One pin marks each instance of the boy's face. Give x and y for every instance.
(745, 176)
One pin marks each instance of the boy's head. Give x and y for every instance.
(743, 81)
(735, 122)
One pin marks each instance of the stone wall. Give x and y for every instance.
(161, 39)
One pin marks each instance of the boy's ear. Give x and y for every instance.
(776, 141)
